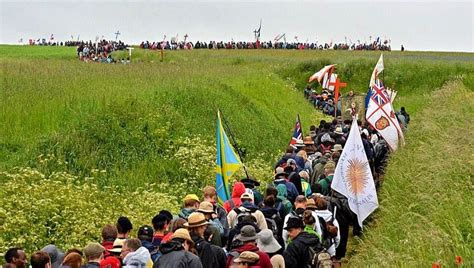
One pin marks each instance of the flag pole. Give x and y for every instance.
(234, 143)
(301, 126)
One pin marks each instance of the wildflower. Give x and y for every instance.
(458, 260)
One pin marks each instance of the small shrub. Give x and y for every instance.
(37, 210)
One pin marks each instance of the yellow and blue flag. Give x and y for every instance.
(227, 162)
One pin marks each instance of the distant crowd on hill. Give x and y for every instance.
(99, 51)
(171, 45)
(295, 220)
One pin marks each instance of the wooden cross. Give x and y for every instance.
(116, 35)
(338, 84)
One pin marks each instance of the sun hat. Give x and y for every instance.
(266, 242)
(247, 257)
(250, 182)
(337, 147)
(294, 222)
(326, 138)
(247, 233)
(191, 197)
(299, 143)
(196, 219)
(93, 249)
(206, 207)
(338, 131)
(117, 246)
(183, 234)
(55, 255)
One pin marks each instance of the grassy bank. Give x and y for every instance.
(73, 131)
(426, 211)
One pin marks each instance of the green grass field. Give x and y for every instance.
(73, 132)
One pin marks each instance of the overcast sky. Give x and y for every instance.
(418, 25)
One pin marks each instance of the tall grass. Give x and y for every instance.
(426, 212)
(127, 126)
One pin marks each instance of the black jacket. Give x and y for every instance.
(297, 253)
(211, 256)
(174, 256)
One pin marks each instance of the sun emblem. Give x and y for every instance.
(356, 175)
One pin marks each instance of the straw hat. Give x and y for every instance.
(206, 207)
(183, 234)
(196, 219)
(299, 143)
(338, 131)
(337, 147)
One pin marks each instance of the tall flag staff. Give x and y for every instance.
(257, 34)
(337, 85)
(379, 111)
(162, 46)
(353, 177)
(235, 145)
(329, 80)
(297, 133)
(227, 161)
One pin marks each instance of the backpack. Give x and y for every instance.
(241, 214)
(272, 224)
(319, 259)
(318, 169)
(326, 238)
(326, 149)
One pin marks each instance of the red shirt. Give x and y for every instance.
(107, 245)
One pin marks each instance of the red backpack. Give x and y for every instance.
(326, 149)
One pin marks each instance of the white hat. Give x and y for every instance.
(248, 194)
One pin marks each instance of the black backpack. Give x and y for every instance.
(273, 223)
(241, 214)
(326, 238)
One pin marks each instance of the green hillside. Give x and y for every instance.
(77, 137)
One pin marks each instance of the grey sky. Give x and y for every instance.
(419, 25)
